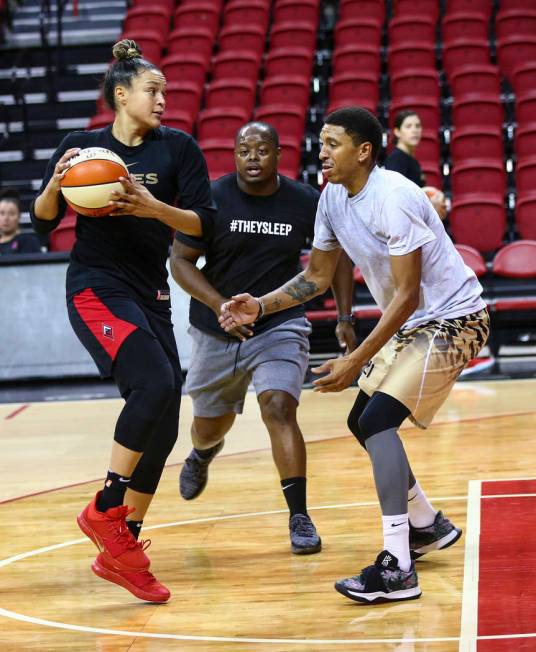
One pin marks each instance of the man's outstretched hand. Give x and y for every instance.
(241, 309)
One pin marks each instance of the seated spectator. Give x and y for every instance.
(12, 241)
(407, 136)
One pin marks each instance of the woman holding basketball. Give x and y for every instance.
(118, 300)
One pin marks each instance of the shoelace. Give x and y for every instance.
(118, 526)
(304, 527)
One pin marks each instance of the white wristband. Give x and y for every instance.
(261, 308)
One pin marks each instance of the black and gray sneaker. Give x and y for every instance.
(441, 534)
(194, 473)
(384, 581)
(303, 537)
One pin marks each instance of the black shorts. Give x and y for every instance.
(103, 318)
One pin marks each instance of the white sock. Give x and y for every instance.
(421, 512)
(396, 538)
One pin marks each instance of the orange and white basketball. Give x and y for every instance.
(89, 182)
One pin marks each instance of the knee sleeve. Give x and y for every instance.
(381, 413)
(147, 382)
(355, 413)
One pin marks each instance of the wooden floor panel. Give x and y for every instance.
(225, 556)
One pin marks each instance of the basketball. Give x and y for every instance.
(90, 180)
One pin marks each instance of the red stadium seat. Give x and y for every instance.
(428, 148)
(296, 10)
(416, 8)
(247, 12)
(426, 107)
(478, 221)
(516, 260)
(293, 34)
(288, 61)
(466, 25)
(526, 215)
(344, 102)
(526, 107)
(242, 37)
(198, 14)
(156, 18)
(149, 42)
(64, 235)
(463, 52)
(355, 87)
(362, 9)
(190, 67)
(289, 164)
(515, 22)
(243, 64)
(411, 55)
(184, 96)
(101, 120)
(223, 93)
(481, 6)
(179, 120)
(219, 155)
(215, 123)
(478, 110)
(523, 77)
(432, 173)
(526, 174)
(525, 140)
(358, 30)
(512, 51)
(419, 27)
(479, 176)
(288, 120)
(524, 5)
(350, 57)
(418, 81)
(282, 89)
(475, 78)
(191, 39)
(476, 142)
(168, 5)
(473, 259)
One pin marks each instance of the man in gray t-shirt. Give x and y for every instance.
(434, 321)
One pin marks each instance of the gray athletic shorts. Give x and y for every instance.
(221, 369)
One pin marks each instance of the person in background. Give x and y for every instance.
(12, 240)
(407, 136)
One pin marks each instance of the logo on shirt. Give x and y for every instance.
(108, 331)
(162, 295)
(256, 226)
(149, 179)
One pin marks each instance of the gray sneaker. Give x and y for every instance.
(303, 537)
(194, 473)
(441, 534)
(384, 581)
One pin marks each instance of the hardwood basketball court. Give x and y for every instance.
(225, 556)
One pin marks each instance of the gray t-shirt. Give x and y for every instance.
(392, 216)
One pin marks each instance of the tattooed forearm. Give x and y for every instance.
(300, 289)
(274, 305)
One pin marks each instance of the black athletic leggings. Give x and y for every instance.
(149, 379)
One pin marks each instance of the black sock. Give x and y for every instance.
(294, 491)
(135, 527)
(206, 453)
(113, 492)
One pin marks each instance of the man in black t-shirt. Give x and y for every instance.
(263, 222)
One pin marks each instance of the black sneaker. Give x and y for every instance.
(303, 537)
(441, 534)
(194, 473)
(384, 581)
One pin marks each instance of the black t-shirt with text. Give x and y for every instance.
(400, 161)
(253, 245)
(127, 250)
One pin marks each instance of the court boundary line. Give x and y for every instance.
(469, 610)
(256, 450)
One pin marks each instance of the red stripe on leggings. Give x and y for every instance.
(109, 330)
(507, 579)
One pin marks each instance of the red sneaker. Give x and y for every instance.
(109, 532)
(140, 583)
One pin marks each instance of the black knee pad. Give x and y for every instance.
(381, 413)
(355, 413)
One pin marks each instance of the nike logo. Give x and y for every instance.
(124, 479)
(288, 486)
(397, 524)
(131, 164)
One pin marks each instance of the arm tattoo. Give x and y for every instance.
(300, 289)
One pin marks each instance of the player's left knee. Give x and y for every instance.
(277, 408)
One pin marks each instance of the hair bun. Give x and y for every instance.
(126, 49)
